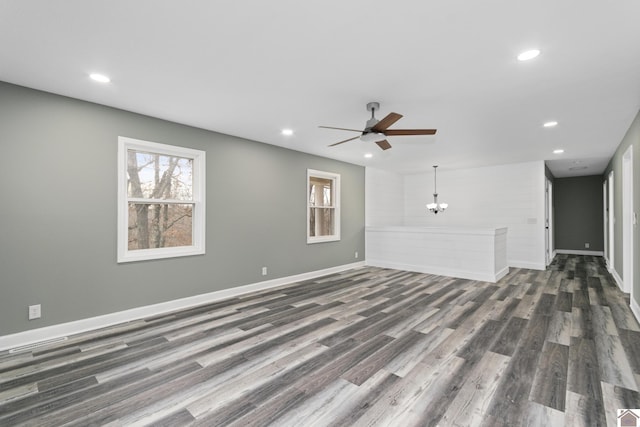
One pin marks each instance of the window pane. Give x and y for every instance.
(321, 222)
(320, 191)
(159, 225)
(158, 176)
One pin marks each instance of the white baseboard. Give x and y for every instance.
(617, 278)
(78, 326)
(579, 252)
(635, 308)
(527, 264)
(440, 271)
(500, 274)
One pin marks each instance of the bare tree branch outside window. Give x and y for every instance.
(160, 189)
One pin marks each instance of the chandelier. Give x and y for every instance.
(436, 207)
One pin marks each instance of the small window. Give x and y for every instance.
(323, 206)
(161, 200)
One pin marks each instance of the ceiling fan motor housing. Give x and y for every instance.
(371, 123)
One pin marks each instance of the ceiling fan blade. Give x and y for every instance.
(383, 124)
(329, 127)
(399, 132)
(346, 140)
(384, 144)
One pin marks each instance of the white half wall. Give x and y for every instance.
(509, 196)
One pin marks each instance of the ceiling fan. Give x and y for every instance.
(378, 130)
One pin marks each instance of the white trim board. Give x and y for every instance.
(527, 264)
(440, 271)
(19, 339)
(579, 252)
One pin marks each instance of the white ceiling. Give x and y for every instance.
(250, 68)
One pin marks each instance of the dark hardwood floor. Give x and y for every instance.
(368, 346)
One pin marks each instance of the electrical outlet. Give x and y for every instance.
(586, 245)
(35, 311)
(264, 271)
(356, 254)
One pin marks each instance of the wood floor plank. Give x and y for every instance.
(177, 419)
(560, 328)
(584, 379)
(582, 323)
(320, 406)
(580, 411)
(472, 402)
(622, 316)
(406, 361)
(545, 304)
(631, 343)
(581, 299)
(550, 381)
(361, 401)
(564, 301)
(361, 372)
(510, 336)
(537, 415)
(612, 360)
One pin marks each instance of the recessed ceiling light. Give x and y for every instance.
(529, 54)
(559, 151)
(550, 124)
(287, 132)
(100, 78)
(368, 155)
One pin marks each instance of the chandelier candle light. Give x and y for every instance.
(436, 207)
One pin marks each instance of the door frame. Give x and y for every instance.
(627, 220)
(605, 216)
(611, 221)
(548, 221)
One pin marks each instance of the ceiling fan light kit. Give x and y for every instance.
(436, 207)
(373, 137)
(377, 130)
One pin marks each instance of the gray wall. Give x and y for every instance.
(632, 137)
(58, 213)
(577, 205)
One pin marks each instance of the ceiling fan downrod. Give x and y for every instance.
(372, 106)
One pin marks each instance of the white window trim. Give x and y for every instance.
(199, 191)
(336, 178)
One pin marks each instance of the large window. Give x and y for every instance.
(161, 200)
(323, 206)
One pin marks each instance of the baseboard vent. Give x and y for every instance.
(32, 346)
